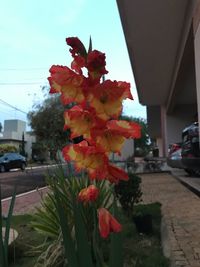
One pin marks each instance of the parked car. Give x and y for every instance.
(190, 149)
(174, 158)
(12, 161)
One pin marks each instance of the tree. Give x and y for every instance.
(47, 123)
(22, 147)
(141, 145)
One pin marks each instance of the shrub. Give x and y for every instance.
(129, 193)
(6, 148)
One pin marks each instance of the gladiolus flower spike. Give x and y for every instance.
(97, 104)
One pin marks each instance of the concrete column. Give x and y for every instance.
(164, 131)
(159, 143)
(197, 66)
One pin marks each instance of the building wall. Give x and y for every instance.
(127, 151)
(154, 121)
(17, 126)
(30, 139)
(182, 117)
(13, 130)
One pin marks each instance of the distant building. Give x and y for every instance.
(12, 134)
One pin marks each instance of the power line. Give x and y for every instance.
(20, 83)
(22, 69)
(11, 106)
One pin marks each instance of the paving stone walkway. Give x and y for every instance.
(181, 215)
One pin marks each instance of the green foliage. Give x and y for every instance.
(141, 145)
(6, 148)
(39, 151)
(61, 213)
(129, 193)
(26, 248)
(144, 250)
(4, 239)
(139, 250)
(116, 244)
(46, 219)
(47, 123)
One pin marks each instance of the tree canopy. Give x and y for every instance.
(142, 144)
(47, 123)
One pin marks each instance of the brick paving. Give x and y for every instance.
(181, 215)
(25, 203)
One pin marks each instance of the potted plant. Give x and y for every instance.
(143, 222)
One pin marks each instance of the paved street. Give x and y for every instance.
(27, 180)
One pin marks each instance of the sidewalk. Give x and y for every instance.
(181, 217)
(26, 202)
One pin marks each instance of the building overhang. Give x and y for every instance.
(11, 140)
(156, 33)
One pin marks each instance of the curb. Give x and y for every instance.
(192, 188)
(25, 193)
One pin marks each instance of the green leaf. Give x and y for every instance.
(8, 223)
(116, 250)
(90, 45)
(44, 229)
(83, 248)
(70, 251)
(2, 251)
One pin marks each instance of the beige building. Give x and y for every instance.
(12, 134)
(163, 41)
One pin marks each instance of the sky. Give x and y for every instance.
(32, 38)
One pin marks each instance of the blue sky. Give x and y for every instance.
(32, 38)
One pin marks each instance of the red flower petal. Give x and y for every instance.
(88, 194)
(116, 174)
(77, 46)
(107, 223)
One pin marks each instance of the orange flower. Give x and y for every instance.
(87, 157)
(107, 223)
(116, 174)
(125, 128)
(107, 139)
(71, 85)
(80, 120)
(110, 136)
(88, 194)
(107, 98)
(78, 63)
